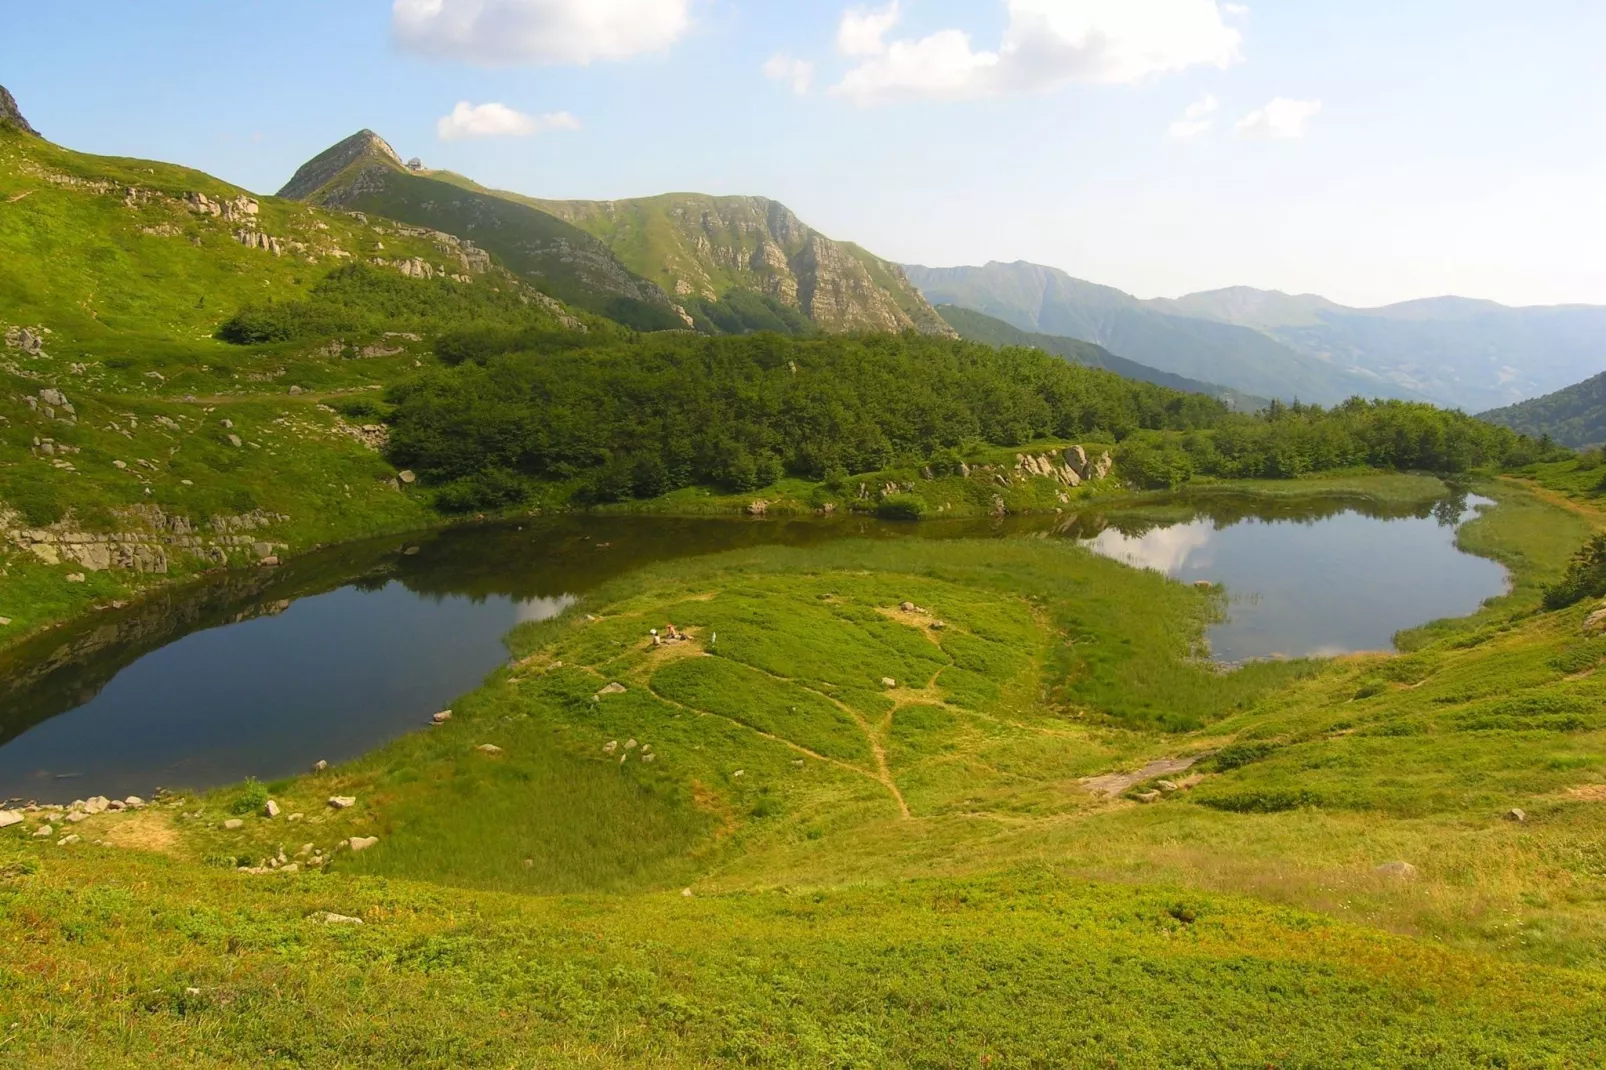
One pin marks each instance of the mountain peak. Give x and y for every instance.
(328, 164)
(10, 113)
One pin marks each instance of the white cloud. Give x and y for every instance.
(538, 31)
(1046, 44)
(1197, 119)
(1282, 118)
(498, 120)
(783, 68)
(862, 31)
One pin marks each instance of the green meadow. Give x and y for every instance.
(823, 829)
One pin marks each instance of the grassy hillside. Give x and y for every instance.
(1047, 301)
(125, 413)
(1573, 417)
(821, 802)
(977, 327)
(363, 173)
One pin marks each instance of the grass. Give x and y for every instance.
(890, 858)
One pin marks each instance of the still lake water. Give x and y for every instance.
(263, 673)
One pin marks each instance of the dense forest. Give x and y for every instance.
(1575, 416)
(638, 417)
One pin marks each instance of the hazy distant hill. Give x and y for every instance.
(1453, 350)
(1575, 416)
(1048, 301)
(978, 327)
(1450, 350)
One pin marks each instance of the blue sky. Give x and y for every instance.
(1415, 147)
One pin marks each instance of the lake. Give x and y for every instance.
(263, 673)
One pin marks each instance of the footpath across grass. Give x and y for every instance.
(846, 821)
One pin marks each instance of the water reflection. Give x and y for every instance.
(261, 673)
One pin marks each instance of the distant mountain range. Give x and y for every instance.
(977, 327)
(1453, 351)
(1574, 416)
(724, 264)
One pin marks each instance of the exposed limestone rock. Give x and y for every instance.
(327, 165)
(30, 340)
(10, 113)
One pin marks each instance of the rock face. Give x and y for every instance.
(706, 246)
(327, 165)
(10, 113)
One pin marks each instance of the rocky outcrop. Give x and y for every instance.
(10, 113)
(149, 537)
(327, 165)
(712, 245)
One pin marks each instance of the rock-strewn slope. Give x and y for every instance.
(10, 113)
(702, 247)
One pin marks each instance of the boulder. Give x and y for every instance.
(1149, 797)
(1398, 870)
(1595, 623)
(42, 831)
(489, 748)
(233, 823)
(342, 802)
(888, 682)
(614, 688)
(319, 766)
(9, 818)
(442, 717)
(324, 917)
(293, 818)
(134, 802)
(407, 477)
(96, 805)
(67, 840)
(270, 809)
(362, 843)
(1076, 457)
(610, 746)
(758, 508)
(907, 607)
(1517, 815)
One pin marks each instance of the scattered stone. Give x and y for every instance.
(888, 682)
(1149, 797)
(290, 867)
(42, 831)
(66, 840)
(529, 863)
(614, 688)
(1401, 870)
(342, 802)
(1517, 815)
(739, 773)
(234, 823)
(442, 717)
(4, 621)
(1166, 786)
(319, 766)
(325, 917)
(77, 816)
(649, 757)
(758, 508)
(294, 818)
(134, 802)
(236, 441)
(1204, 585)
(907, 607)
(96, 805)
(306, 849)
(685, 893)
(9, 818)
(610, 746)
(489, 748)
(938, 625)
(362, 843)
(1596, 621)
(295, 391)
(631, 744)
(407, 476)
(271, 809)
(75, 577)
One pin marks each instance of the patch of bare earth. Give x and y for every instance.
(1588, 793)
(146, 831)
(1113, 784)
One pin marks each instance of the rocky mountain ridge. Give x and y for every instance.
(11, 113)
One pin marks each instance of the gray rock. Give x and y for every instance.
(342, 802)
(271, 809)
(489, 748)
(10, 113)
(234, 823)
(66, 840)
(442, 717)
(1149, 797)
(324, 917)
(134, 802)
(42, 831)
(1517, 815)
(236, 441)
(319, 766)
(907, 607)
(408, 477)
(614, 688)
(888, 682)
(362, 843)
(96, 805)
(9, 818)
(1399, 870)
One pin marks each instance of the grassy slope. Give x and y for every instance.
(896, 876)
(1574, 416)
(130, 316)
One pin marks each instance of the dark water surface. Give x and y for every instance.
(261, 674)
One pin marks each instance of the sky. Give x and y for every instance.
(1371, 151)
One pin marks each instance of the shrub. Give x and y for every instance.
(252, 799)
(1585, 578)
(901, 507)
